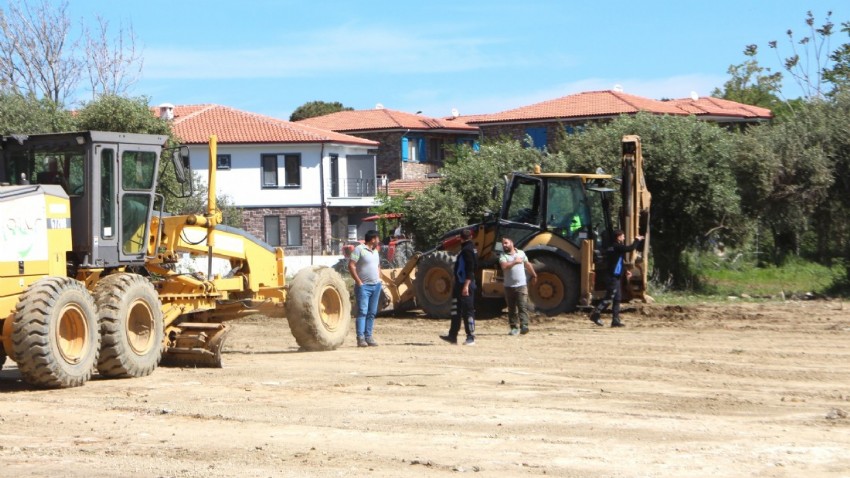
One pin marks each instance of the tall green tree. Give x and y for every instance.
(786, 173)
(312, 109)
(838, 74)
(29, 115)
(751, 84)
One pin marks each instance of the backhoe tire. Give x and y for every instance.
(131, 328)
(433, 284)
(404, 250)
(55, 336)
(557, 287)
(318, 309)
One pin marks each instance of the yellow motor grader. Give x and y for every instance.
(89, 276)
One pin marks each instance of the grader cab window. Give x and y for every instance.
(66, 169)
(137, 174)
(138, 170)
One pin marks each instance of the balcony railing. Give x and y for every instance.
(353, 188)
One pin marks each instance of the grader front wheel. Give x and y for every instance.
(55, 336)
(130, 315)
(318, 309)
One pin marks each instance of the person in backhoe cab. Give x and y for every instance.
(515, 264)
(613, 272)
(364, 265)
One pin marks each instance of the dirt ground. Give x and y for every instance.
(739, 389)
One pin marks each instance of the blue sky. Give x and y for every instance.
(479, 56)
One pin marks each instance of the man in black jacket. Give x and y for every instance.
(614, 270)
(464, 291)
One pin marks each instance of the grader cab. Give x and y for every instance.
(89, 275)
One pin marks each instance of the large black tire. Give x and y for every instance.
(433, 284)
(557, 287)
(130, 317)
(404, 250)
(318, 309)
(55, 336)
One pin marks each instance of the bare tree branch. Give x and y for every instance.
(114, 65)
(37, 54)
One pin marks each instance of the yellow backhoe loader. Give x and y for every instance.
(562, 221)
(88, 265)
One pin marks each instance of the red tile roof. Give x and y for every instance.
(400, 187)
(195, 123)
(382, 119)
(594, 104)
(719, 107)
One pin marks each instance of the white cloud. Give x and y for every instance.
(347, 49)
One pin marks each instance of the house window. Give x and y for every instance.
(538, 137)
(291, 170)
(222, 161)
(293, 230)
(269, 170)
(471, 143)
(413, 150)
(436, 151)
(292, 166)
(271, 230)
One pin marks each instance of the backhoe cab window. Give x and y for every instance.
(524, 202)
(568, 214)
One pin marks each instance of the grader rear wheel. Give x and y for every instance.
(54, 333)
(318, 309)
(433, 284)
(130, 316)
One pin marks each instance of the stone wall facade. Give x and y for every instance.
(337, 220)
(253, 221)
(388, 157)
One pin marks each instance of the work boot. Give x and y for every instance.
(361, 342)
(594, 317)
(617, 323)
(449, 339)
(469, 341)
(523, 330)
(371, 342)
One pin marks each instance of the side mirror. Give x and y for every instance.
(180, 161)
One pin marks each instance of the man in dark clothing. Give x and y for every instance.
(464, 291)
(614, 270)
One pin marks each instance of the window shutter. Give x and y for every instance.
(404, 149)
(538, 136)
(423, 153)
(476, 146)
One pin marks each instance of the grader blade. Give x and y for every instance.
(197, 344)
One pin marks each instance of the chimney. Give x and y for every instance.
(166, 111)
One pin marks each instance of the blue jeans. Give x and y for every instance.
(367, 296)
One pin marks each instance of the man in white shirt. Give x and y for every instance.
(515, 264)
